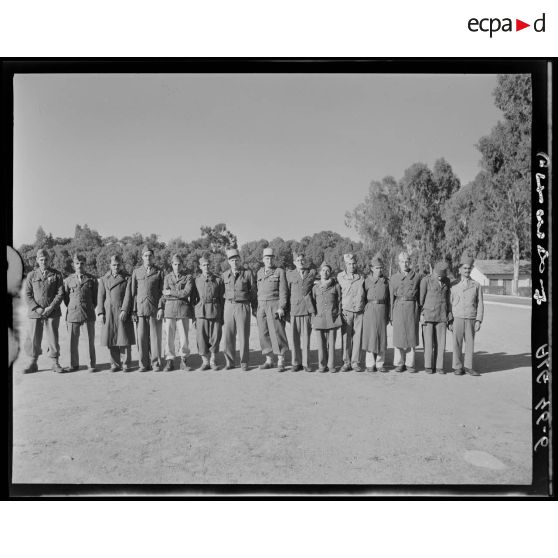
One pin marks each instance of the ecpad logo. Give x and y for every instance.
(494, 24)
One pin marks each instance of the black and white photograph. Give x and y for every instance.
(252, 275)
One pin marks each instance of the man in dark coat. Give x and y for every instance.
(113, 307)
(272, 306)
(435, 317)
(177, 290)
(326, 299)
(80, 297)
(44, 291)
(376, 317)
(146, 288)
(240, 303)
(300, 282)
(405, 309)
(209, 314)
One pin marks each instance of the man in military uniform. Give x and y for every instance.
(300, 282)
(146, 288)
(435, 317)
(175, 302)
(44, 291)
(376, 317)
(405, 309)
(113, 308)
(352, 288)
(209, 314)
(80, 298)
(272, 305)
(240, 302)
(468, 311)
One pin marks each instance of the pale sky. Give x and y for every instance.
(268, 154)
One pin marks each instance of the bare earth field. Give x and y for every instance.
(265, 427)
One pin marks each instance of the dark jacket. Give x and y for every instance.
(112, 298)
(435, 299)
(376, 292)
(241, 289)
(179, 303)
(146, 290)
(210, 292)
(300, 288)
(273, 286)
(328, 305)
(41, 292)
(80, 298)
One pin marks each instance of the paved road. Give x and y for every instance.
(516, 300)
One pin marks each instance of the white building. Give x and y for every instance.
(498, 274)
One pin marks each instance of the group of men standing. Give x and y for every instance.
(221, 306)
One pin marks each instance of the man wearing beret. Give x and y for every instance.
(176, 304)
(272, 305)
(146, 289)
(352, 287)
(300, 282)
(80, 297)
(405, 309)
(376, 317)
(435, 317)
(468, 311)
(209, 314)
(240, 304)
(117, 332)
(44, 291)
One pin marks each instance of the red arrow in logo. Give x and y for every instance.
(519, 25)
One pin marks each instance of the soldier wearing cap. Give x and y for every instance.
(352, 287)
(146, 289)
(376, 317)
(240, 303)
(326, 299)
(209, 314)
(113, 305)
(176, 304)
(435, 317)
(272, 306)
(80, 298)
(468, 311)
(44, 291)
(404, 290)
(300, 282)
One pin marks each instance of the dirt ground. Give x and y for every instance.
(266, 427)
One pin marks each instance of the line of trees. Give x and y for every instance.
(214, 241)
(430, 214)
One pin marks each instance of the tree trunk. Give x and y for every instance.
(515, 251)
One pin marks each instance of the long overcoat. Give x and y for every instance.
(113, 297)
(376, 314)
(80, 298)
(405, 308)
(327, 301)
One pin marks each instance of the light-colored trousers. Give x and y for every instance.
(434, 339)
(117, 354)
(149, 341)
(74, 329)
(36, 327)
(463, 329)
(273, 338)
(326, 347)
(375, 359)
(405, 356)
(170, 326)
(302, 329)
(352, 337)
(237, 317)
